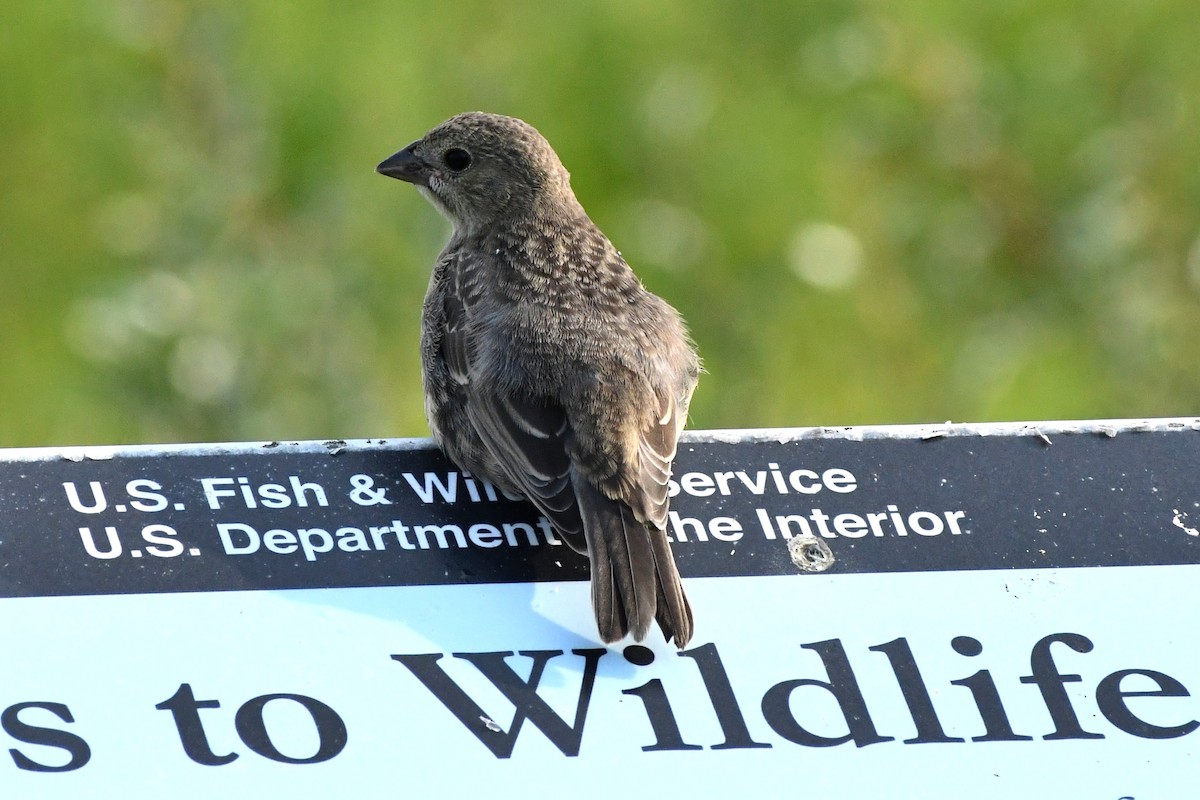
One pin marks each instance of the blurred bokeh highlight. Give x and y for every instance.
(869, 212)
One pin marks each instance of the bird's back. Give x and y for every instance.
(548, 367)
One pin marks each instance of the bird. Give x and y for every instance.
(548, 368)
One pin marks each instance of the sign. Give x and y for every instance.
(945, 611)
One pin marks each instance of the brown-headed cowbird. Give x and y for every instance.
(548, 368)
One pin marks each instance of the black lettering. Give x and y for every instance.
(916, 695)
(724, 702)
(987, 698)
(1111, 700)
(662, 719)
(776, 703)
(1051, 684)
(521, 693)
(331, 731)
(15, 727)
(185, 709)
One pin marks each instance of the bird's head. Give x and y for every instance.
(479, 168)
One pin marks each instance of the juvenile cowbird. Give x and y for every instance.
(548, 368)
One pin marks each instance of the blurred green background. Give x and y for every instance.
(869, 212)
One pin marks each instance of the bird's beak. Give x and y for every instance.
(406, 166)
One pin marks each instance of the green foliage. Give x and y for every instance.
(869, 212)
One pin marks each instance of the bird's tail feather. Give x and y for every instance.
(634, 579)
(674, 612)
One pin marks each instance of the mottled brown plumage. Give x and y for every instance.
(548, 367)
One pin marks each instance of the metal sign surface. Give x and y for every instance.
(942, 611)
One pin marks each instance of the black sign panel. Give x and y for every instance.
(399, 514)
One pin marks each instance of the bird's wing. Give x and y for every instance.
(625, 517)
(622, 526)
(526, 438)
(656, 450)
(634, 578)
(647, 488)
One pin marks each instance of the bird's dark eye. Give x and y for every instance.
(457, 159)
